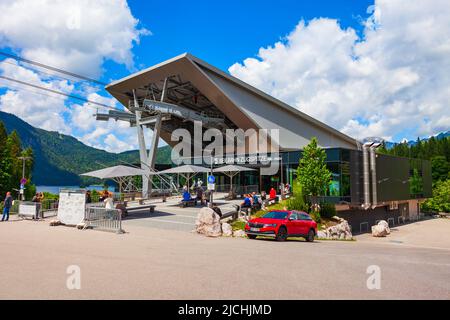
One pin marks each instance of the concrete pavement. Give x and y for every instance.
(160, 263)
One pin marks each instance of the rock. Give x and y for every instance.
(81, 225)
(339, 231)
(227, 230)
(55, 223)
(379, 231)
(348, 236)
(385, 225)
(208, 223)
(239, 234)
(322, 234)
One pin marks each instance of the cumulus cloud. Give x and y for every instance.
(392, 81)
(73, 35)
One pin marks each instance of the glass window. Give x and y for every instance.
(276, 215)
(293, 216)
(305, 217)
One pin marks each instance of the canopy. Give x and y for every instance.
(232, 168)
(188, 168)
(116, 172)
(187, 171)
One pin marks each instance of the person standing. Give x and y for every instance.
(109, 202)
(7, 204)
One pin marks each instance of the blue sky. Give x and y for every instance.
(367, 68)
(223, 32)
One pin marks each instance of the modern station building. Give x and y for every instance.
(178, 92)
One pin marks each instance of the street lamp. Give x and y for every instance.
(24, 159)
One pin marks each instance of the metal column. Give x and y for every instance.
(373, 171)
(146, 185)
(366, 184)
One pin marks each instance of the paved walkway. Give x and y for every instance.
(170, 216)
(157, 263)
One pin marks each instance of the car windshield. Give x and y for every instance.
(276, 215)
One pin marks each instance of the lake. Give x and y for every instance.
(55, 189)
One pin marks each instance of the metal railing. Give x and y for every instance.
(48, 208)
(104, 219)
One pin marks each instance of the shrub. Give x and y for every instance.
(315, 216)
(441, 198)
(327, 210)
(297, 203)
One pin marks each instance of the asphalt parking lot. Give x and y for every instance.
(161, 263)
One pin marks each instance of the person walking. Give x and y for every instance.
(7, 204)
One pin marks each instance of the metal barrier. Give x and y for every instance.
(104, 219)
(48, 208)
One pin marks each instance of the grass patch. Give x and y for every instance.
(238, 225)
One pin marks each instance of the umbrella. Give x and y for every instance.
(187, 171)
(117, 173)
(232, 170)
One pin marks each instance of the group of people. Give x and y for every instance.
(200, 195)
(250, 200)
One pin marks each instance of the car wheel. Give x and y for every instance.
(310, 237)
(282, 234)
(251, 236)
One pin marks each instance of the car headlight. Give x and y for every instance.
(270, 225)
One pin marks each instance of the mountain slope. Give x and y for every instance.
(59, 158)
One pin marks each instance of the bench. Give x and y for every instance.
(271, 201)
(187, 203)
(150, 207)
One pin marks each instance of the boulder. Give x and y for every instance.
(208, 223)
(322, 234)
(82, 226)
(227, 230)
(55, 223)
(239, 234)
(384, 224)
(339, 231)
(379, 231)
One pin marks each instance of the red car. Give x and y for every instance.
(282, 224)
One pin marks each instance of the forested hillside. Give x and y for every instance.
(59, 158)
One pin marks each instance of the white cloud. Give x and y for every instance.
(73, 35)
(393, 80)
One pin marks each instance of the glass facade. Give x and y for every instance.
(338, 162)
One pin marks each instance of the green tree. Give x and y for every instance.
(11, 165)
(439, 168)
(441, 198)
(312, 172)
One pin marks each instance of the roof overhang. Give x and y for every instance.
(245, 106)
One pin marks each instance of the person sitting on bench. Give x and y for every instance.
(272, 194)
(247, 202)
(256, 201)
(186, 194)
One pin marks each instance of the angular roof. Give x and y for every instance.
(245, 106)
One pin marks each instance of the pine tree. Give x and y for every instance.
(312, 172)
